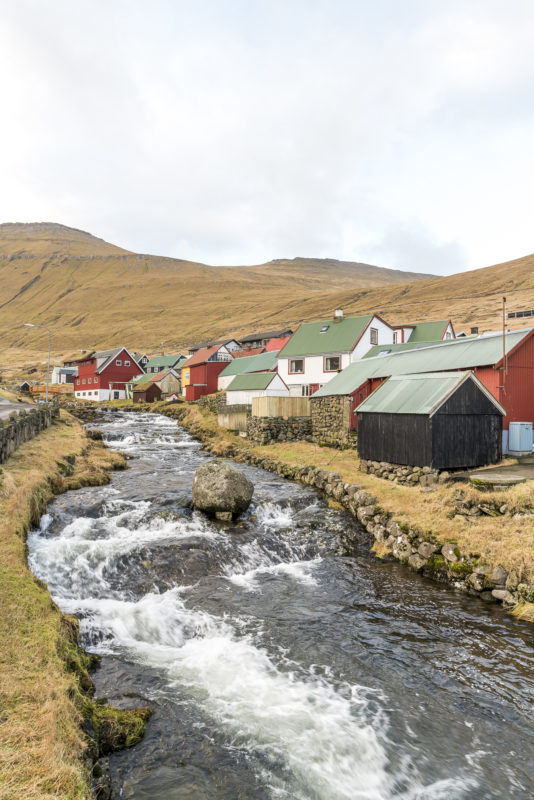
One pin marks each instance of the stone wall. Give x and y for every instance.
(213, 402)
(22, 426)
(331, 420)
(423, 476)
(265, 430)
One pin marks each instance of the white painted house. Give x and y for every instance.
(255, 384)
(317, 351)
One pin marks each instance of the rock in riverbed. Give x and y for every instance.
(221, 490)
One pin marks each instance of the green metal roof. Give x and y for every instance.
(427, 331)
(386, 349)
(412, 394)
(252, 380)
(454, 354)
(418, 394)
(165, 361)
(240, 366)
(339, 337)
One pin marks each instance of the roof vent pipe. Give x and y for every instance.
(338, 315)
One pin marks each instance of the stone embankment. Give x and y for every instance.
(424, 476)
(23, 426)
(420, 550)
(470, 509)
(331, 417)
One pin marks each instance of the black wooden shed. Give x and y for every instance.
(446, 420)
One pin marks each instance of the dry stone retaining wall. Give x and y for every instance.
(265, 430)
(22, 426)
(331, 421)
(423, 476)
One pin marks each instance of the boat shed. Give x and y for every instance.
(147, 392)
(446, 420)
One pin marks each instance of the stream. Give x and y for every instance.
(277, 665)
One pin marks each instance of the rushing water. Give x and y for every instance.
(277, 666)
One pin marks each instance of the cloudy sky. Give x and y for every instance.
(397, 132)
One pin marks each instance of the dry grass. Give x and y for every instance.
(40, 738)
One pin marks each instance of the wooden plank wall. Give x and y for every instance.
(281, 407)
(236, 421)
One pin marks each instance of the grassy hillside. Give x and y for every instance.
(93, 294)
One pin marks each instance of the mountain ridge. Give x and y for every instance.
(94, 294)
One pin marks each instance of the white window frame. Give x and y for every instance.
(326, 368)
(292, 371)
(373, 335)
(126, 363)
(118, 363)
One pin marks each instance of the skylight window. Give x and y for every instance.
(324, 328)
(384, 352)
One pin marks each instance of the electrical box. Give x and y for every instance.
(520, 438)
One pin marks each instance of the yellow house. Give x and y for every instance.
(186, 378)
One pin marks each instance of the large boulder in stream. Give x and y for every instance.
(221, 490)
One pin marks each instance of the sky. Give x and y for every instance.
(394, 132)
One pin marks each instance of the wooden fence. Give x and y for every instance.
(281, 407)
(233, 420)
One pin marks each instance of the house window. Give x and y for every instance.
(396, 337)
(83, 380)
(89, 380)
(448, 335)
(296, 366)
(305, 391)
(95, 380)
(118, 362)
(332, 363)
(126, 363)
(324, 329)
(374, 335)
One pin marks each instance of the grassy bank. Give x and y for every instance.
(45, 690)
(506, 541)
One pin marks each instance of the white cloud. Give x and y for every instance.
(235, 132)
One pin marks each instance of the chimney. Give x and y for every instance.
(474, 331)
(338, 315)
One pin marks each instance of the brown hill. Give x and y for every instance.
(93, 294)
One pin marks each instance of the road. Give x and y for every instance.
(7, 407)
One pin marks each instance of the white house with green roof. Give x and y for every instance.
(244, 388)
(264, 362)
(434, 331)
(318, 351)
(162, 363)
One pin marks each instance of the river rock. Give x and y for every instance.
(221, 489)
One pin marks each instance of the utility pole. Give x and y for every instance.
(504, 365)
(33, 325)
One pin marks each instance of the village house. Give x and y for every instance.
(164, 363)
(142, 359)
(509, 378)
(104, 375)
(318, 351)
(245, 387)
(229, 344)
(256, 340)
(63, 375)
(201, 371)
(264, 362)
(442, 330)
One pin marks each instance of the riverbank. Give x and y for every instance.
(482, 556)
(52, 731)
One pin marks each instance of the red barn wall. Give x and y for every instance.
(203, 379)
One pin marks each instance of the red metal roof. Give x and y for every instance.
(251, 351)
(276, 344)
(201, 356)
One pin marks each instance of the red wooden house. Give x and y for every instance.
(103, 375)
(201, 370)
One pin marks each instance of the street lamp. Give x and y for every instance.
(33, 325)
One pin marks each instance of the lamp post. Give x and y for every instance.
(33, 325)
